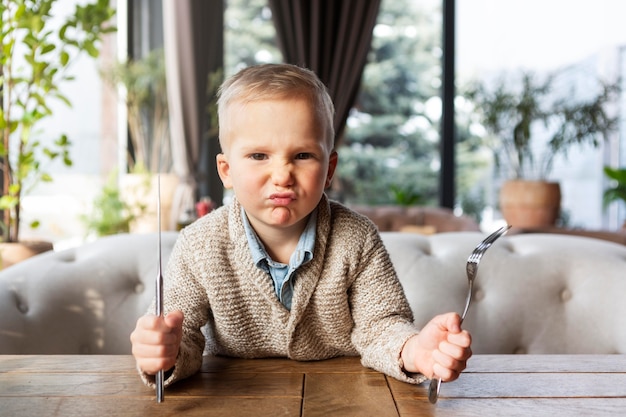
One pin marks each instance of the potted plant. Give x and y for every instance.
(617, 191)
(37, 52)
(528, 124)
(142, 87)
(110, 214)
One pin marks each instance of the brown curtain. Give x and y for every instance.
(331, 38)
(193, 38)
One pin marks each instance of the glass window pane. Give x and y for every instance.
(580, 44)
(249, 35)
(91, 126)
(390, 151)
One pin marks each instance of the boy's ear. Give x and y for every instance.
(332, 165)
(223, 169)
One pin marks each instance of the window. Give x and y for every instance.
(581, 41)
(390, 152)
(90, 125)
(249, 36)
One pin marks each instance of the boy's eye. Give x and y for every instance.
(303, 155)
(257, 156)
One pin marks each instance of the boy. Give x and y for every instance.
(283, 271)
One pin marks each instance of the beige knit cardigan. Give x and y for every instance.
(347, 301)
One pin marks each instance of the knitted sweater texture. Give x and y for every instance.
(347, 301)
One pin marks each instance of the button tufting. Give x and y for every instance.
(520, 351)
(479, 295)
(139, 288)
(22, 307)
(566, 295)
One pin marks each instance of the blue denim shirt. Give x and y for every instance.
(282, 275)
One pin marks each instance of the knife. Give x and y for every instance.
(159, 289)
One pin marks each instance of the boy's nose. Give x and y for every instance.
(282, 174)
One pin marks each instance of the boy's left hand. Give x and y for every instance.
(441, 349)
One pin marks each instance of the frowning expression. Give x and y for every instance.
(277, 161)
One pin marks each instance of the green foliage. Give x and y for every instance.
(405, 195)
(617, 191)
(250, 35)
(214, 81)
(37, 52)
(392, 140)
(473, 173)
(390, 149)
(518, 116)
(145, 92)
(110, 214)
(370, 173)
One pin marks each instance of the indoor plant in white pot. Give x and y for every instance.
(37, 51)
(529, 124)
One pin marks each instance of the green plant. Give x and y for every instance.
(405, 195)
(617, 191)
(144, 90)
(110, 214)
(518, 118)
(37, 52)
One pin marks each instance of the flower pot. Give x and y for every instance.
(14, 252)
(530, 204)
(139, 191)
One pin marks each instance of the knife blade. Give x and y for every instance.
(160, 396)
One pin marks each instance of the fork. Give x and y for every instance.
(471, 269)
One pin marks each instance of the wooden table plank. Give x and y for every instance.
(347, 395)
(240, 384)
(142, 406)
(269, 365)
(68, 363)
(85, 384)
(513, 407)
(537, 385)
(70, 385)
(522, 385)
(547, 363)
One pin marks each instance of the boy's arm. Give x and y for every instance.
(382, 315)
(384, 332)
(183, 291)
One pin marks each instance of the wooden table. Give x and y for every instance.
(493, 385)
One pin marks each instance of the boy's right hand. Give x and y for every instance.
(156, 341)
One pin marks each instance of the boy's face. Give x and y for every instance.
(277, 162)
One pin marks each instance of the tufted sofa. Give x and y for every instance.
(82, 300)
(535, 293)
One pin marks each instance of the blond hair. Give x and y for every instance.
(278, 81)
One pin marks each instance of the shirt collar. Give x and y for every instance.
(304, 249)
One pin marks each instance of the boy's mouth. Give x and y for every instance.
(282, 199)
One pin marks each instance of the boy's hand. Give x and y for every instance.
(441, 349)
(156, 341)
